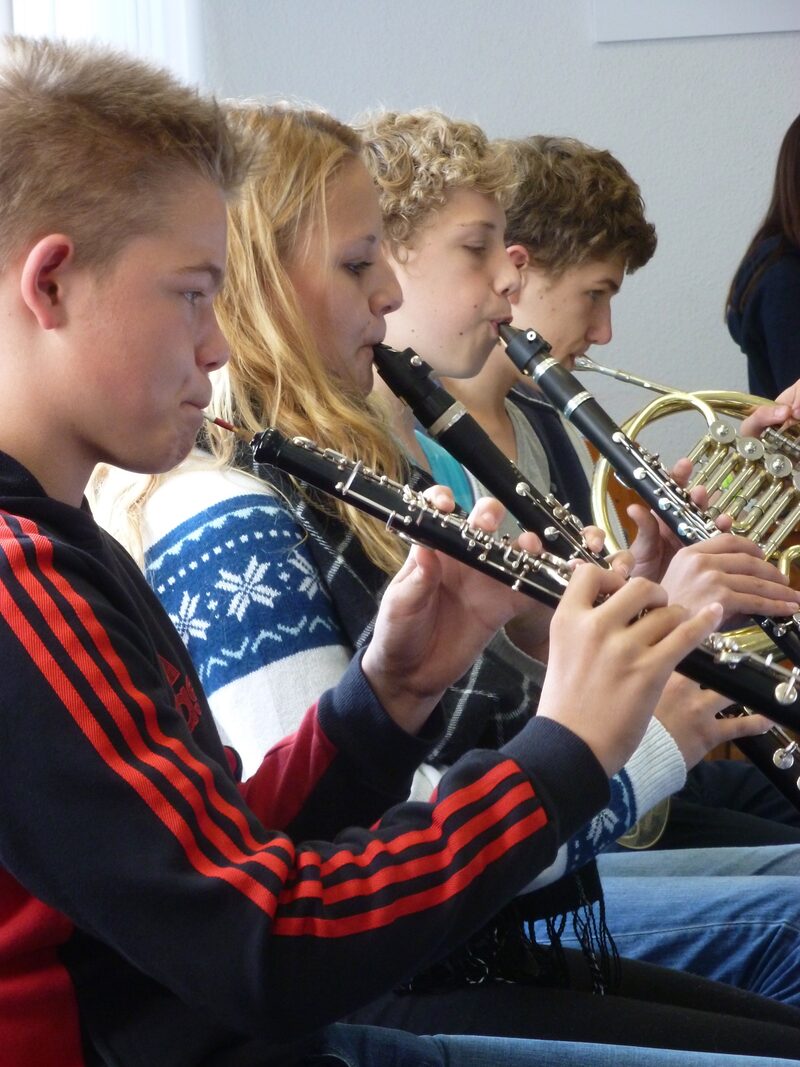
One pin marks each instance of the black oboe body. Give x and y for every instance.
(717, 664)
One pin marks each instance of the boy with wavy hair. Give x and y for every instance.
(146, 913)
(575, 227)
(444, 189)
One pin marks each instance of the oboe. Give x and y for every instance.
(639, 469)
(717, 663)
(446, 419)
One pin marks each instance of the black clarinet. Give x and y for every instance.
(410, 378)
(640, 470)
(717, 664)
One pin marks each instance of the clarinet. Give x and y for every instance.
(717, 664)
(445, 418)
(410, 378)
(638, 469)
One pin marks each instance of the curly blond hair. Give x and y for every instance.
(574, 204)
(418, 157)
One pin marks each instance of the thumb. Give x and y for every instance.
(418, 578)
(734, 726)
(647, 543)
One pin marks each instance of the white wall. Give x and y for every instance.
(697, 121)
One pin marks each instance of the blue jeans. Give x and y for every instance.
(702, 911)
(368, 1046)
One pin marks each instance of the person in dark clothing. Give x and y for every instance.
(763, 304)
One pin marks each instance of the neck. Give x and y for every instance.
(32, 432)
(53, 466)
(484, 395)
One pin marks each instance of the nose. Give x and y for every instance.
(212, 350)
(599, 332)
(387, 296)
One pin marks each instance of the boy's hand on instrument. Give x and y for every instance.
(435, 617)
(531, 630)
(656, 545)
(595, 538)
(731, 570)
(689, 712)
(609, 663)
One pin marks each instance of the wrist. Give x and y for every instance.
(407, 708)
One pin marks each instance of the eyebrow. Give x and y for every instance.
(612, 285)
(478, 222)
(215, 272)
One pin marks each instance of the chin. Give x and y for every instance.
(474, 365)
(461, 365)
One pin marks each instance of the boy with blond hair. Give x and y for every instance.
(147, 916)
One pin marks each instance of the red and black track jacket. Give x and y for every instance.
(146, 914)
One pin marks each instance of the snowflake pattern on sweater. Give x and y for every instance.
(243, 593)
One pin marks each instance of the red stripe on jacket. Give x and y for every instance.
(155, 799)
(175, 822)
(414, 902)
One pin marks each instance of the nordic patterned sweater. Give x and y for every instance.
(147, 913)
(273, 599)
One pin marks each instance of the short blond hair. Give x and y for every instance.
(90, 140)
(574, 204)
(418, 157)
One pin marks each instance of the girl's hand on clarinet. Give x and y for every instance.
(609, 663)
(689, 712)
(435, 617)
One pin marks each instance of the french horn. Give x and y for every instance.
(755, 480)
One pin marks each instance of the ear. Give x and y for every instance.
(42, 279)
(396, 255)
(519, 256)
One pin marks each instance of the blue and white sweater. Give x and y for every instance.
(246, 578)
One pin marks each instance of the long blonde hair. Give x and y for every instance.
(276, 375)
